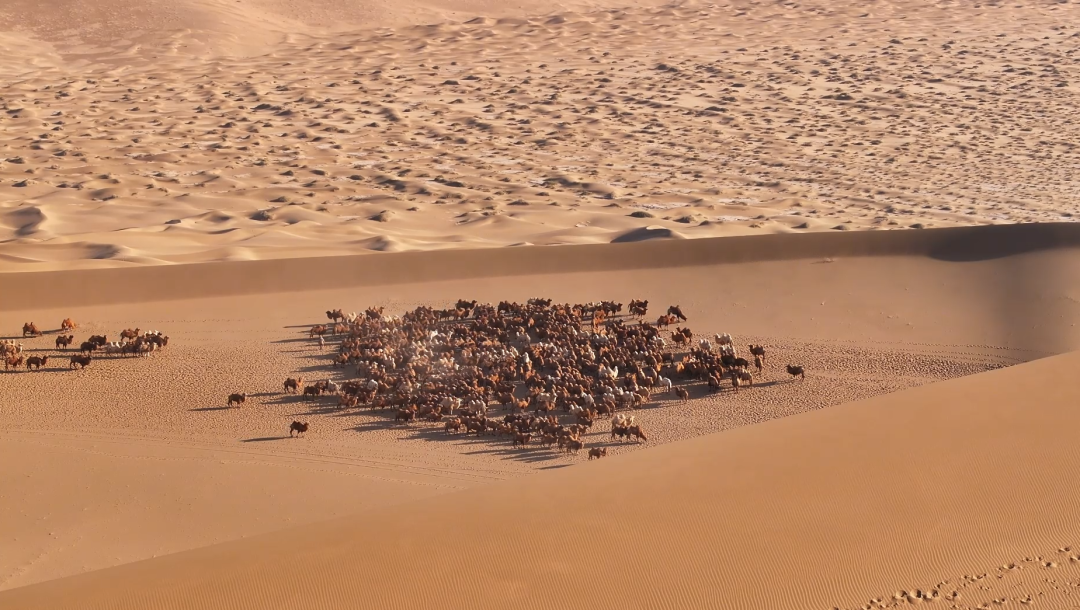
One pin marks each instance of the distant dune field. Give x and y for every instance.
(148, 133)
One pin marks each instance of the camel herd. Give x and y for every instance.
(132, 342)
(534, 373)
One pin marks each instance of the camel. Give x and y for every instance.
(298, 427)
(796, 371)
(80, 362)
(293, 385)
(676, 311)
(237, 399)
(36, 362)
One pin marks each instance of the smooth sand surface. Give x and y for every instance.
(142, 133)
(192, 473)
(959, 493)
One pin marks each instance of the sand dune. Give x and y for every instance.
(870, 322)
(878, 191)
(949, 493)
(276, 129)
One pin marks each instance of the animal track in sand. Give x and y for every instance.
(999, 587)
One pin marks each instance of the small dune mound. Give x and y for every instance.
(381, 243)
(214, 216)
(383, 216)
(599, 188)
(27, 221)
(647, 233)
(158, 158)
(690, 219)
(295, 214)
(642, 214)
(232, 254)
(107, 251)
(263, 215)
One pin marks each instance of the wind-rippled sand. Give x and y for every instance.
(601, 125)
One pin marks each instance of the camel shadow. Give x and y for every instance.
(528, 454)
(438, 434)
(769, 384)
(312, 368)
(211, 409)
(378, 424)
(284, 399)
(322, 409)
(263, 438)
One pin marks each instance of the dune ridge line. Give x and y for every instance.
(196, 280)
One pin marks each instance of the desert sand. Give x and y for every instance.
(880, 192)
(951, 493)
(137, 458)
(139, 133)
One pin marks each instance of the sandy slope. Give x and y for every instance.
(952, 493)
(90, 500)
(863, 325)
(197, 131)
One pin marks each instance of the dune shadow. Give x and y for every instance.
(1000, 241)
